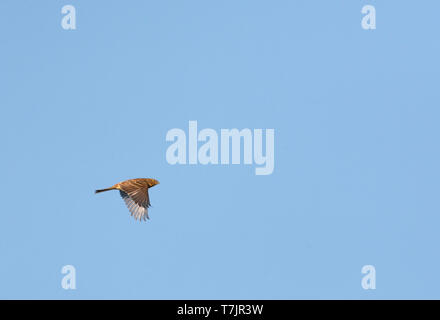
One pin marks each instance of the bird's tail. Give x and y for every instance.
(103, 190)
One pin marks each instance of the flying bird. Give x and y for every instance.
(135, 194)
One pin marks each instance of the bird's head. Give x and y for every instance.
(152, 183)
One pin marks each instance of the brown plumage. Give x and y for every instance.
(135, 194)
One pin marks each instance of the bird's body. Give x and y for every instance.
(135, 194)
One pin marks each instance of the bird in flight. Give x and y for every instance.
(135, 194)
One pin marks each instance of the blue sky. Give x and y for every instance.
(356, 178)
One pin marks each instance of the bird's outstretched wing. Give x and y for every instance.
(137, 202)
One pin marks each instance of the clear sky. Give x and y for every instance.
(356, 176)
